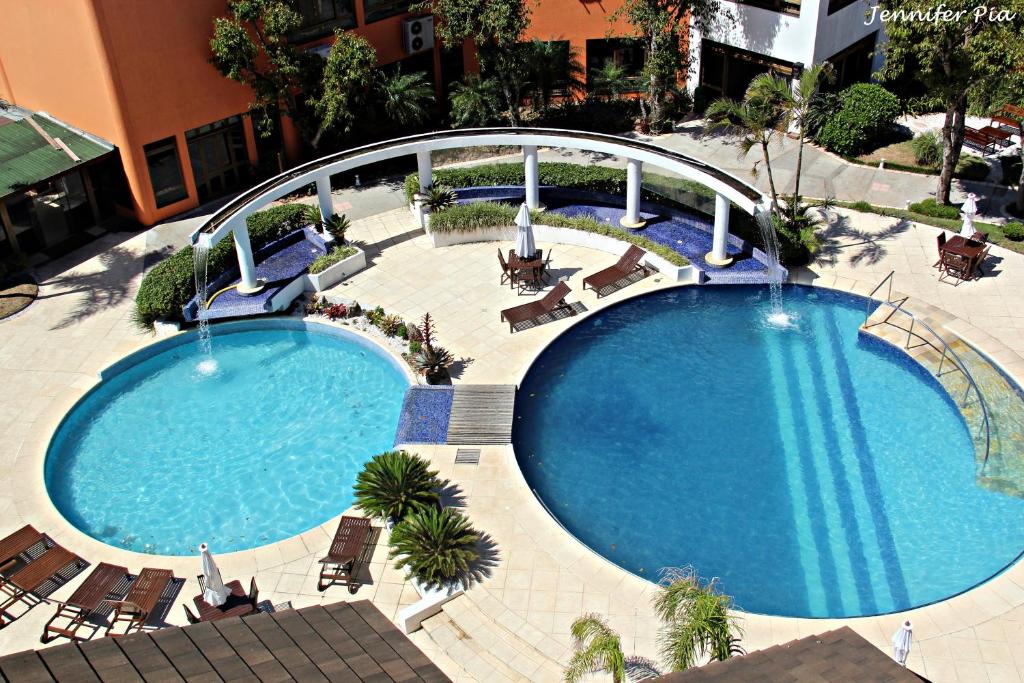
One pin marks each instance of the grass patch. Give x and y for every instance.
(16, 294)
(481, 215)
(899, 156)
(336, 255)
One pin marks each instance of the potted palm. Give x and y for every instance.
(696, 618)
(597, 649)
(395, 483)
(436, 546)
(432, 361)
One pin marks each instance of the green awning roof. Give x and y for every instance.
(26, 157)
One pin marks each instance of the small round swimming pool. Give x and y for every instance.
(815, 471)
(160, 457)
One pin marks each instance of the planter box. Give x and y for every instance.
(318, 282)
(567, 236)
(430, 603)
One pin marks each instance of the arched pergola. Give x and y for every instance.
(728, 188)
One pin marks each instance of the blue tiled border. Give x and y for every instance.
(426, 411)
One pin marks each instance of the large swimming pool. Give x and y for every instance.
(816, 472)
(161, 457)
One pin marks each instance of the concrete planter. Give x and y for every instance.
(567, 236)
(430, 603)
(318, 282)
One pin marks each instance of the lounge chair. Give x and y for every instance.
(105, 579)
(141, 600)
(339, 566)
(17, 543)
(552, 301)
(34, 575)
(627, 264)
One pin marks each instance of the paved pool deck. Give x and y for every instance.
(513, 625)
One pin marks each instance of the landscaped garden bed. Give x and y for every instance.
(16, 293)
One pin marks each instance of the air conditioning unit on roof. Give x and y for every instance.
(418, 34)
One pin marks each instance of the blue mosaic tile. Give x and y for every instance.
(425, 414)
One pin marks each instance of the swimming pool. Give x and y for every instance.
(815, 471)
(160, 457)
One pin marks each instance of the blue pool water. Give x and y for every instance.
(160, 458)
(814, 471)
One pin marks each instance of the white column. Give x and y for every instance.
(424, 169)
(323, 197)
(634, 171)
(531, 177)
(718, 256)
(246, 265)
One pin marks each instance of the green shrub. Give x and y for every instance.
(436, 546)
(927, 149)
(929, 207)
(1014, 231)
(862, 206)
(393, 484)
(336, 255)
(573, 176)
(171, 283)
(478, 215)
(598, 116)
(866, 116)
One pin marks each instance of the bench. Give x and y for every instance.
(986, 142)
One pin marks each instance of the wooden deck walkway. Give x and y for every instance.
(482, 414)
(345, 641)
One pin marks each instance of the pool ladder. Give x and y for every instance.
(948, 354)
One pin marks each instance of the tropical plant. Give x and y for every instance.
(798, 224)
(439, 198)
(394, 483)
(389, 324)
(696, 620)
(337, 226)
(757, 120)
(311, 215)
(797, 105)
(550, 66)
(474, 102)
(437, 546)
(863, 121)
(433, 362)
(610, 81)
(406, 99)
(1014, 231)
(597, 649)
(927, 149)
(335, 311)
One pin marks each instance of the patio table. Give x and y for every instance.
(968, 248)
(237, 604)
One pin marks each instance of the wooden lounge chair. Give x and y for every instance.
(339, 566)
(34, 575)
(628, 264)
(17, 543)
(141, 600)
(105, 579)
(552, 301)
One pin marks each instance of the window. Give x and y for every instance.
(785, 6)
(321, 17)
(165, 172)
(627, 53)
(220, 160)
(382, 9)
(853, 65)
(836, 5)
(726, 71)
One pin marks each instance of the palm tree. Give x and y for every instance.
(598, 648)
(697, 620)
(474, 102)
(611, 81)
(406, 99)
(437, 546)
(756, 120)
(395, 483)
(551, 65)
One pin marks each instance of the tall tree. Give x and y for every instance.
(474, 102)
(664, 26)
(496, 27)
(796, 103)
(551, 65)
(405, 99)
(955, 56)
(348, 75)
(758, 120)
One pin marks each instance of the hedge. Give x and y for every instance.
(171, 283)
(336, 255)
(866, 116)
(479, 215)
(929, 207)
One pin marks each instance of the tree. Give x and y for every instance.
(348, 75)
(955, 57)
(610, 81)
(496, 27)
(250, 46)
(696, 620)
(406, 99)
(757, 120)
(393, 484)
(550, 66)
(437, 546)
(664, 25)
(598, 648)
(797, 102)
(474, 102)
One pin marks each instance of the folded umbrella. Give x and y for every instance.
(215, 593)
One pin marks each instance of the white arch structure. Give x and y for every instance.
(728, 189)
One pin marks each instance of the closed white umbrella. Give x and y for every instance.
(525, 247)
(901, 643)
(969, 210)
(215, 593)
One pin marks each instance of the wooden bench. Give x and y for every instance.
(981, 139)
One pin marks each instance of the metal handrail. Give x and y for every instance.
(947, 352)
